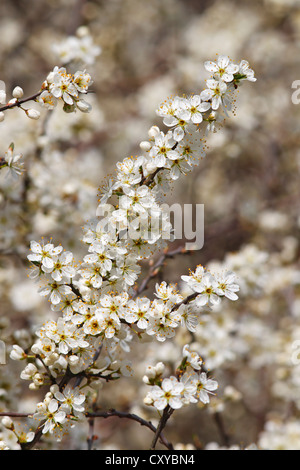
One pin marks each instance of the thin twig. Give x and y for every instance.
(92, 416)
(162, 423)
(14, 414)
(185, 301)
(138, 419)
(18, 103)
(90, 438)
(155, 269)
(220, 424)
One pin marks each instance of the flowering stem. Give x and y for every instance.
(18, 103)
(92, 416)
(185, 301)
(146, 181)
(155, 269)
(38, 431)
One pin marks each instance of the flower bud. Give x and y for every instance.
(48, 398)
(54, 389)
(153, 131)
(51, 359)
(84, 106)
(32, 386)
(145, 145)
(74, 360)
(150, 372)
(18, 92)
(49, 78)
(17, 353)
(159, 368)
(7, 423)
(41, 407)
(148, 400)
(35, 349)
(33, 113)
(82, 31)
(38, 380)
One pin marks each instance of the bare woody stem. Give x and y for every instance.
(138, 419)
(162, 423)
(14, 414)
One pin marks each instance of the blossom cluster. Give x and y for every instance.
(212, 287)
(60, 408)
(77, 48)
(61, 85)
(101, 315)
(91, 315)
(248, 185)
(191, 384)
(181, 113)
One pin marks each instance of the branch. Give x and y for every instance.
(138, 419)
(14, 414)
(18, 103)
(99, 414)
(155, 268)
(185, 301)
(162, 423)
(147, 180)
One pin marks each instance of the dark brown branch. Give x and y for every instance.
(18, 103)
(185, 301)
(138, 419)
(147, 180)
(14, 414)
(162, 423)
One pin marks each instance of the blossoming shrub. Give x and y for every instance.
(98, 311)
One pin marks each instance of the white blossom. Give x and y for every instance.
(53, 415)
(169, 393)
(223, 68)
